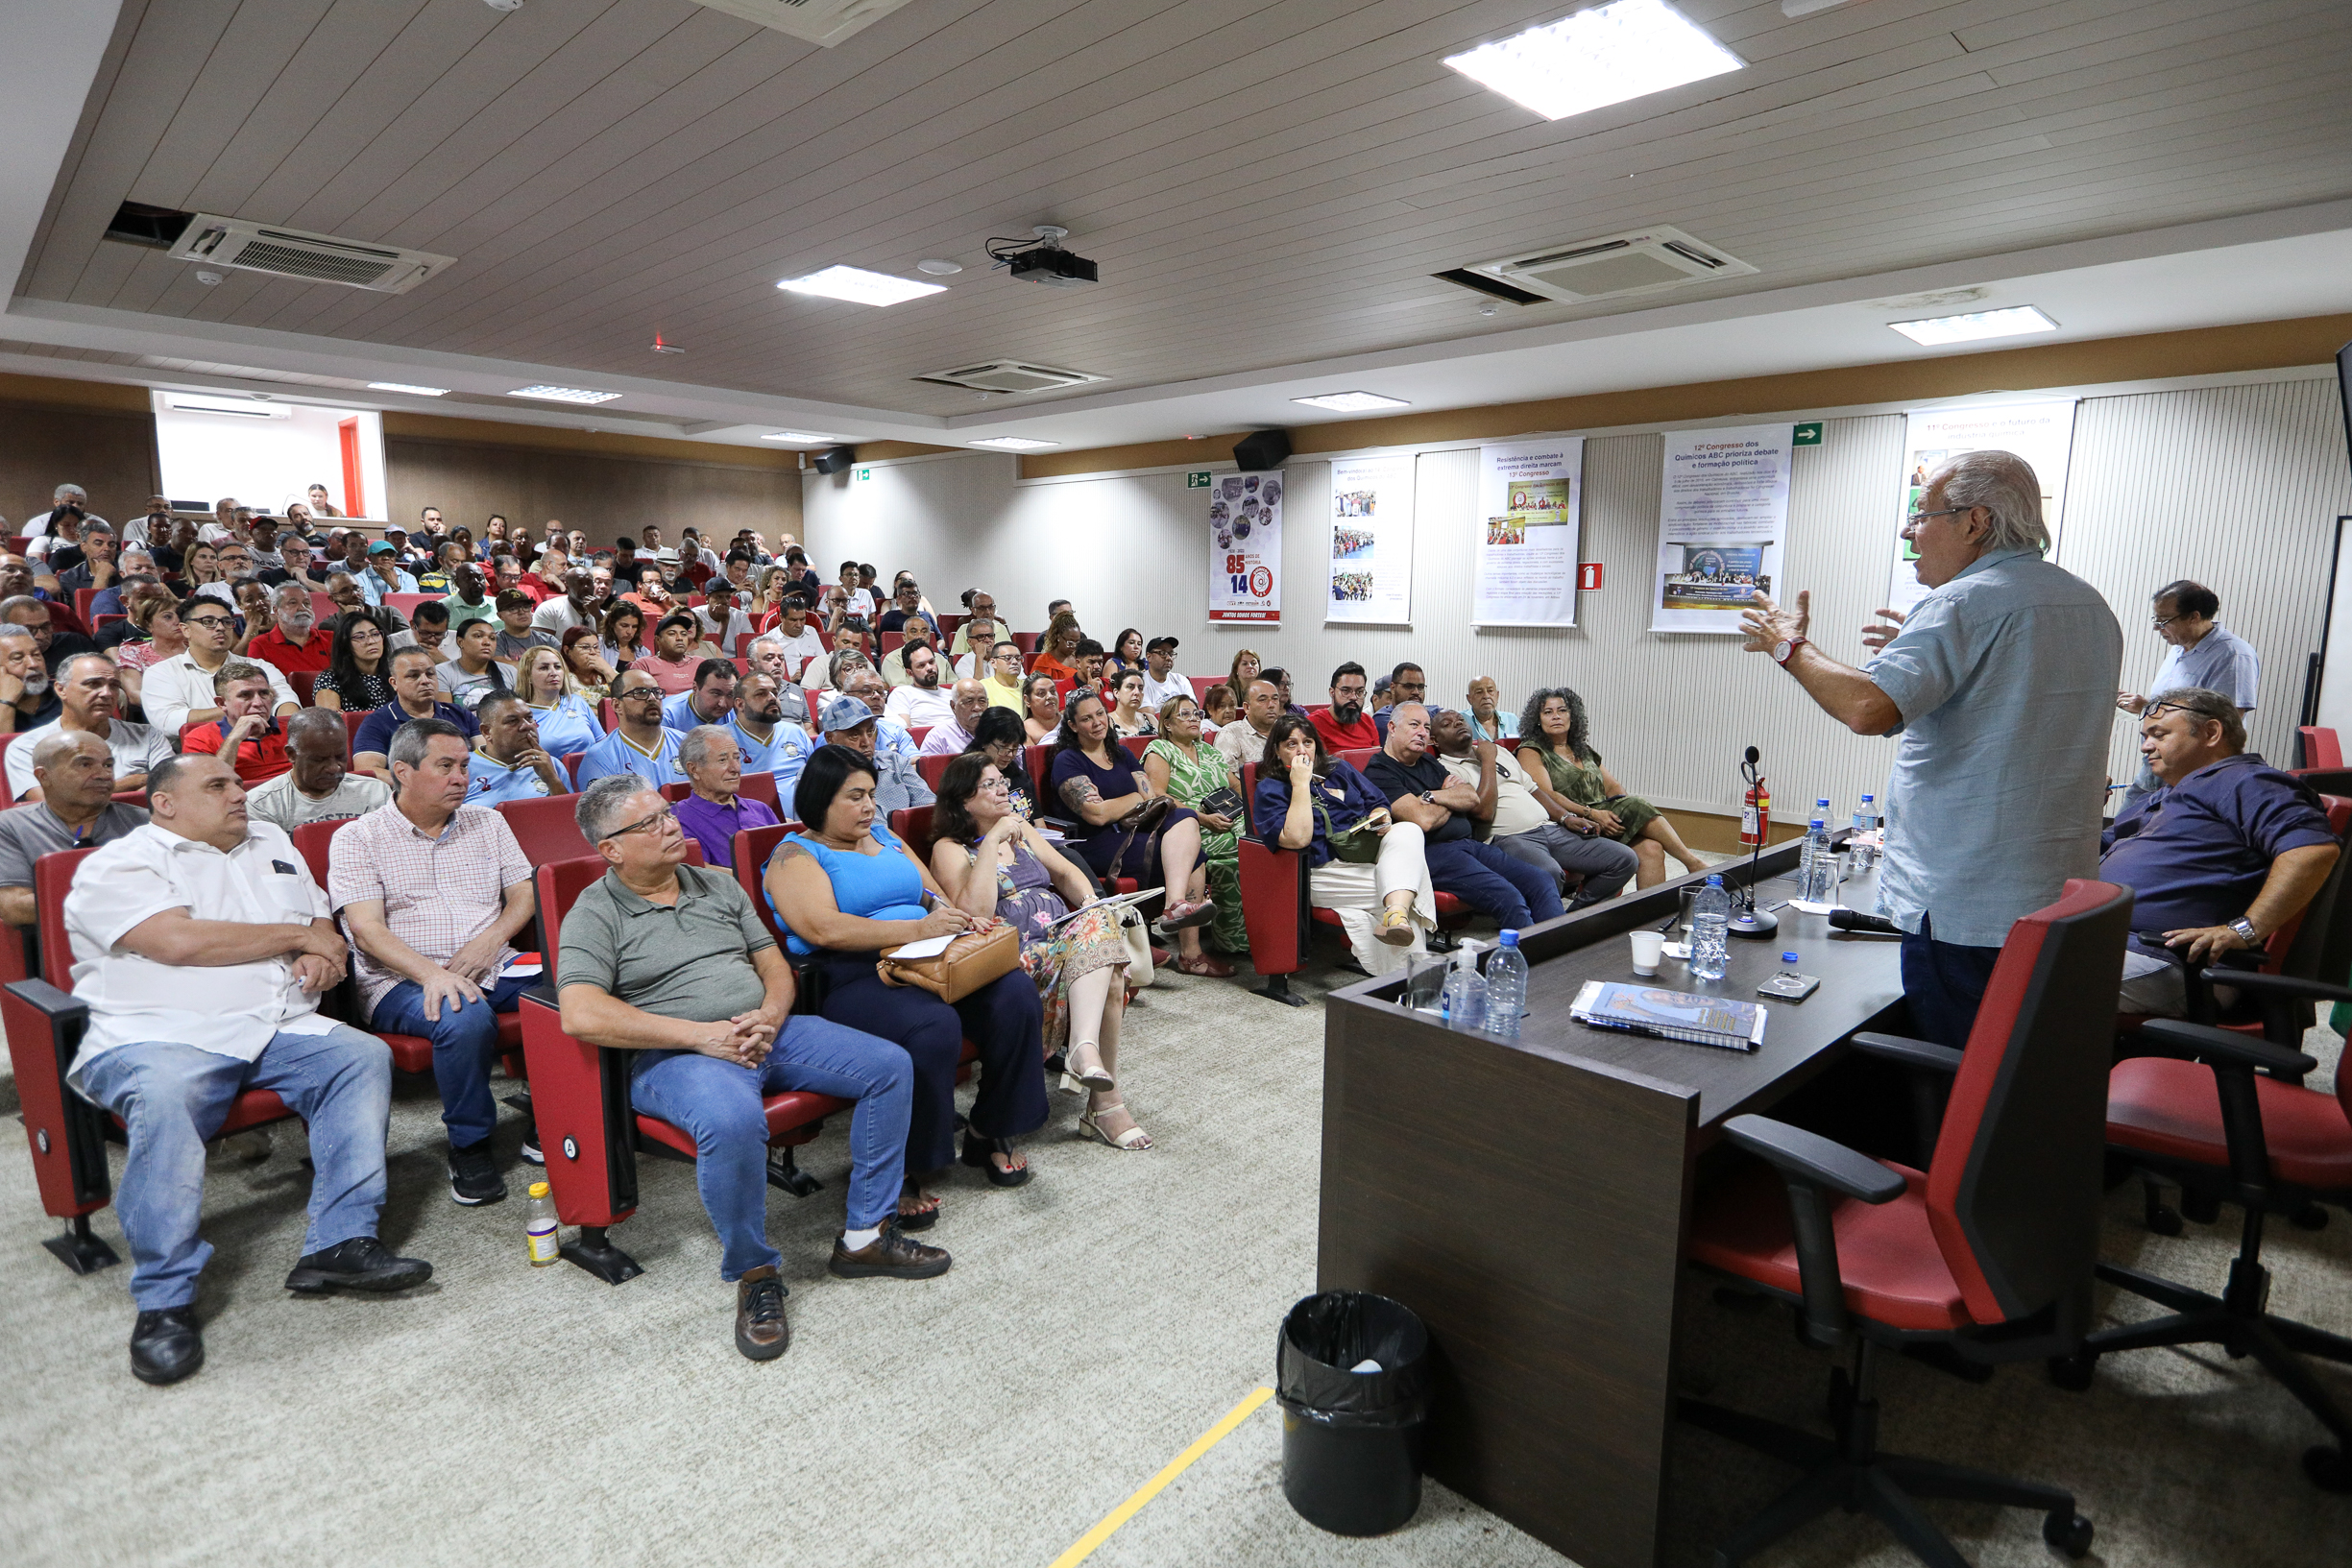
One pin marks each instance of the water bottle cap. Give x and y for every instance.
(1509, 939)
(1867, 799)
(1788, 957)
(1715, 878)
(539, 1189)
(1819, 821)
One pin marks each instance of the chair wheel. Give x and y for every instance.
(2200, 1208)
(2069, 1533)
(2073, 1372)
(2164, 1219)
(2309, 1217)
(2327, 1468)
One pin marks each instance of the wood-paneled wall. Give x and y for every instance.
(605, 495)
(108, 452)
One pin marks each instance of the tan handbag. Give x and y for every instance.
(970, 962)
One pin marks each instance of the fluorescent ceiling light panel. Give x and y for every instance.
(860, 287)
(564, 395)
(1351, 402)
(403, 386)
(1015, 444)
(800, 436)
(1596, 58)
(1938, 330)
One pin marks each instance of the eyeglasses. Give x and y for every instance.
(665, 817)
(1915, 519)
(207, 620)
(2160, 623)
(650, 693)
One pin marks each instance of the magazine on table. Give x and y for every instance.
(1671, 1015)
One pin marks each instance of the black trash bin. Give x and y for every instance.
(1351, 1441)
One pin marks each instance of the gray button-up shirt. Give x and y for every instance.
(2221, 661)
(2006, 678)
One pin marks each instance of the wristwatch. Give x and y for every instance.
(1785, 650)
(2246, 927)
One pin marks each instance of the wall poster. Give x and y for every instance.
(1245, 548)
(2041, 433)
(1722, 517)
(1371, 539)
(1529, 518)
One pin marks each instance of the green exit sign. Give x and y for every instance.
(864, 474)
(1806, 435)
(1197, 479)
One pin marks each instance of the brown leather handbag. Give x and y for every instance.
(971, 961)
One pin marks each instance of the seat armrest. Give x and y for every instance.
(2181, 1038)
(1896, 1047)
(1811, 1157)
(2254, 984)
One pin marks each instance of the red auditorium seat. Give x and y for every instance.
(2319, 746)
(1136, 743)
(761, 787)
(932, 769)
(302, 681)
(544, 828)
(571, 767)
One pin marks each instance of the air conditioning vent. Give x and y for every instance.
(825, 22)
(294, 252)
(1010, 375)
(1640, 262)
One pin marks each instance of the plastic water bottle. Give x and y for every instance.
(1710, 930)
(1865, 821)
(1506, 987)
(1464, 1001)
(1817, 860)
(538, 1226)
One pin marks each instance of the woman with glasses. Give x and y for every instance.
(587, 674)
(848, 890)
(1370, 869)
(1556, 749)
(1041, 709)
(997, 737)
(992, 862)
(565, 722)
(1118, 834)
(358, 676)
(1183, 766)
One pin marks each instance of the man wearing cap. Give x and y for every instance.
(638, 745)
(849, 721)
(384, 575)
(1160, 681)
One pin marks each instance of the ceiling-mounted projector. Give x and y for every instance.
(1045, 262)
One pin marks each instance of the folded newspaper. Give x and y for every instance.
(1671, 1015)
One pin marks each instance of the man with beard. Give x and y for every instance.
(766, 743)
(921, 705)
(296, 645)
(1344, 726)
(771, 654)
(28, 612)
(1516, 820)
(576, 607)
(24, 680)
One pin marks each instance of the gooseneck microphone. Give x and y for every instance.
(1747, 920)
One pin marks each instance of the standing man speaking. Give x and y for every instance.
(2000, 684)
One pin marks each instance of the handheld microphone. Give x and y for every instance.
(1854, 920)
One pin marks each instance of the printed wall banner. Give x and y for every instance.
(1371, 541)
(2041, 433)
(1245, 548)
(1723, 512)
(1530, 521)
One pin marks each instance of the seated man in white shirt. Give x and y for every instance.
(203, 946)
(921, 704)
(178, 691)
(320, 785)
(796, 638)
(721, 617)
(1161, 679)
(91, 690)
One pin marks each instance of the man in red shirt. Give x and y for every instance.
(297, 643)
(247, 731)
(1344, 725)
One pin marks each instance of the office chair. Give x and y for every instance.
(1985, 1257)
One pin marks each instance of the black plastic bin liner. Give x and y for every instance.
(1351, 1441)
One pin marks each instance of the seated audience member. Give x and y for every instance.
(710, 700)
(848, 891)
(1219, 708)
(1282, 679)
(918, 634)
(566, 721)
(256, 618)
(716, 810)
(992, 862)
(1097, 782)
(202, 975)
(1344, 726)
(768, 657)
(516, 636)
(31, 613)
(952, 735)
(202, 573)
(1243, 740)
(475, 672)
(294, 555)
(384, 575)
(1556, 749)
(997, 737)
(1182, 767)
(1089, 665)
(1057, 648)
(1041, 716)
(587, 672)
(295, 645)
(28, 700)
(414, 685)
(1364, 864)
(765, 741)
(802, 644)
(468, 598)
(428, 629)
(96, 568)
(1407, 683)
(905, 601)
(1126, 654)
(1515, 821)
(76, 809)
(889, 734)
(1128, 716)
(1488, 719)
(1161, 681)
(2220, 855)
(978, 637)
(153, 615)
(115, 601)
(247, 734)
(638, 743)
(856, 600)
(431, 890)
(673, 660)
(980, 627)
(357, 677)
(852, 723)
(1003, 677)
(1488, 879)
(318, 786)
(1244, 669)
(720, 620)
(508, 763)
(89, 691)
(578, 607)
(922, 704)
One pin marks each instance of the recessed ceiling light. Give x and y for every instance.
(403, 386)
(1015, 444)
(939, 267)
(564, 395)
(1938, 330)
(801, 436)
(860, 287)
(1597, 57)
(1351, 402)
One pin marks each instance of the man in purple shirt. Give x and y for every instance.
(965, 704)
(715, 812)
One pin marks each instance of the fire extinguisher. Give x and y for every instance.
(1755, 812)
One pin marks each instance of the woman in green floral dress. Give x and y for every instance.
(1179, 764)
(1556, 749)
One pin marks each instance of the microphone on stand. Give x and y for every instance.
(1747, 920)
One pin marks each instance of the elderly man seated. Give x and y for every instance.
(247, 734)
(672, 961)
(74, 771)
(319, 784)
(716, 810)
(953, 736)
(1420, 791)
(508, 763)
(1517, 822)
(2225, 850)
(848, 721)
(203, 947)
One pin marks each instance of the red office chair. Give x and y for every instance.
(81, 603)
(1985, 1256)
(752, 848)
(2319, 747)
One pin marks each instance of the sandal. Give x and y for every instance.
(1396, 928)
(1134, 1141)
(1098, 1081)
(1205, 967)
(1185, 916)
(976, 1152)
(915, 1218)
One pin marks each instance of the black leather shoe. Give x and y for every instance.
(165, 1345)
(361, 1263)
(762, 1331)
(474, 1176)
(891, 1255)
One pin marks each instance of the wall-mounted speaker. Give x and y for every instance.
(1262, 449)
(833, 459)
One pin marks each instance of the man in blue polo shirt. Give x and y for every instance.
(766, 741)
(638, 745)
(2225, 852)
(507, 762)
(708, 701)
(414, 685)
(2199, 652)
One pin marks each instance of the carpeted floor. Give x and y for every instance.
(1096, 1322)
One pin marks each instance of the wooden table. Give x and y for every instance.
(1530, 1199)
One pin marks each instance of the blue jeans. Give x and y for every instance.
(1493, 882)
(718, 1104)
(1944, 984)
(465, 1042)
(174, 1098)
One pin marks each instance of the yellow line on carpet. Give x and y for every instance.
(1150, 1489)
